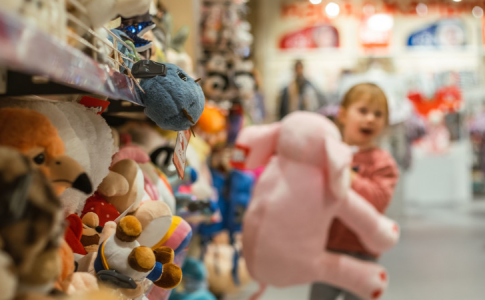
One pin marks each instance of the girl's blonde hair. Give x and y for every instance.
(366, 91)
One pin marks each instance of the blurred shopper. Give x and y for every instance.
(300, 94)
(362, 118)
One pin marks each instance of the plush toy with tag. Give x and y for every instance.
(173, 100)
(308, 174)
(124, 254)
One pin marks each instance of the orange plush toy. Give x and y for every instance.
(32, 133)
(212, 125)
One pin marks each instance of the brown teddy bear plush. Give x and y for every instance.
(31, 223)
(122, 253)
(91, 231)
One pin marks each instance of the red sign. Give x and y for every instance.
(94, 104)
(239, 156)
(315, 37)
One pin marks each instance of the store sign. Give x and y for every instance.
(376, 31)
(315, 37)
(180, 152)
(445, 33)
(96, 105)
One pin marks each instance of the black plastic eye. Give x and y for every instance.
(182, 76)
(39, 159)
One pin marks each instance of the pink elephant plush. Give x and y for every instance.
(305, 185)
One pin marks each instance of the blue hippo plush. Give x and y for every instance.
(172, 99)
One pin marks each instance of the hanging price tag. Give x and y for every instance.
(239, 156)
(180, 152)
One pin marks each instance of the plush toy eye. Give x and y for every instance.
(182, 76)
(39, 159)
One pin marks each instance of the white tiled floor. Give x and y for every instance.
(441, 256)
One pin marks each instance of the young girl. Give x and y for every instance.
(362, 118)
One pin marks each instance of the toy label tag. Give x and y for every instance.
(180, 151)
(239, 156)
(96, 105)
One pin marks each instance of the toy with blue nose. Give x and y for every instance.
(172, 99)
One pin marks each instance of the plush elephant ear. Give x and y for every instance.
(255, 145)
(339, 158)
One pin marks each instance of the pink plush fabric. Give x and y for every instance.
(133, 152)
(304, 186)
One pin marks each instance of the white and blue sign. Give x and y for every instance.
(444, 33)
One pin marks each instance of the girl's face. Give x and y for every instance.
(363, 121)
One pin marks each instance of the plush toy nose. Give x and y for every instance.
(83, 184)
(66, 172)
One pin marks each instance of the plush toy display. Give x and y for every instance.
(39, 140)
(311, 164)
(173, 100)
(90, 233)
(120, 191)
(86, 137)
(31, 243)
(194, 283)
(124, 254)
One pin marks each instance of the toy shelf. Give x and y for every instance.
(29, 54)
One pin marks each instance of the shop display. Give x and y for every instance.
(271, 260)
(134, 163)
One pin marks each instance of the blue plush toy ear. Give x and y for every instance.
(175, 101)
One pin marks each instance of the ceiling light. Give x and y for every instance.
(380, 22)
(315, 1)
(332, 9)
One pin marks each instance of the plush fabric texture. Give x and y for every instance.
(155, 218)
(171, 277)
(129, 229)
(116, 253)
(134, 175)
(29, 245)
(234, 194)
(74, 233)
(154, 184)
(375, 182)
(304, 186)
(178, 236)
(98, 205)
(172, 102)
(31, 129)
(142, 259)
(94, 135)
(86, 136)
